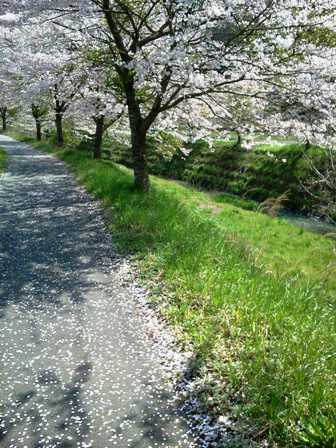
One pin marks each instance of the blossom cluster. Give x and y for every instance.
(238, 64)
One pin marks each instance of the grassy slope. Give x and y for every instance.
(276, 245)
(245, 289)
(3, 160)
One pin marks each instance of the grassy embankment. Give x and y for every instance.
(253, 294)
(3, 160)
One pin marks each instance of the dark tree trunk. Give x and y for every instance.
(97, 153)
(239, 139)
(59, 129)
(38, 130)
(139, 135)
(307, 145)
(4, 118)
(139, 150)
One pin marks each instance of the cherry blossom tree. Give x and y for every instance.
(39, 112)
(169, 52)
(9, 105)
(100, 98)
(166, 53)
(45, 66)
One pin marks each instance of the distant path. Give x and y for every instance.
(76, 369)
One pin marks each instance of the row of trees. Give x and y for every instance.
(231, 65)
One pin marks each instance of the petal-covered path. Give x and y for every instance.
(76, 369)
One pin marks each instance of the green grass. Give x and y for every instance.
(227, 198)
(254, 296)
(3, 160)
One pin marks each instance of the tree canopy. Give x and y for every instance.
(261, 65)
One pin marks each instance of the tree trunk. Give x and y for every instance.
(38, 130)
(4, 119)
(97, 153)
(138, 135)
(239, 140)
(139, 149)
(59, 129)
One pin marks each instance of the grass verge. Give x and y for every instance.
(254, 296)
(3, 160)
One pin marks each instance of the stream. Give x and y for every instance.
(311, 223)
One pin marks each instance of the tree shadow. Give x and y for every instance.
(158, 424)
(56, 417)
(51, 233)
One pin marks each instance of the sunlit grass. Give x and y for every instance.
(253, 294)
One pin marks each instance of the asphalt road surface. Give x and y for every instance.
(76, 369)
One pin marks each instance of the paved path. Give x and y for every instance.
(76, 369)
